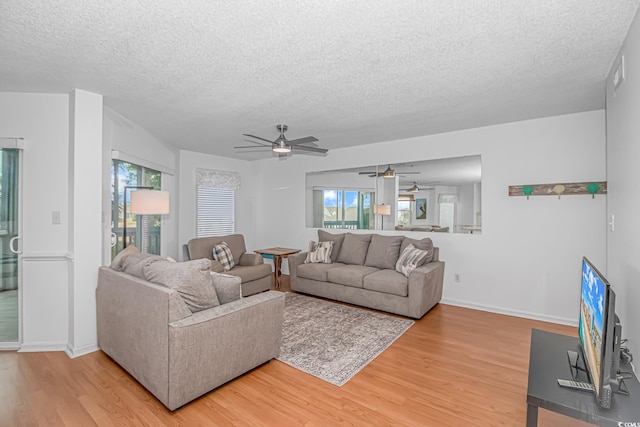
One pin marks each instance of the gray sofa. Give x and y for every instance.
(362, 272)
(176, 353)
(250, 267)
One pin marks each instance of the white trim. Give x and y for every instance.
(9, 345)
(43, 346)
(44, 256)
(11, 142)
(508, 312)
(129, 158)
(81, 351)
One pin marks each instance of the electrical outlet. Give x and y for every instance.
(456, 277)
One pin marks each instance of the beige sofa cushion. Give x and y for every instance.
(388, 282)
(383, 251)
(192, 280)
(316, 271)
(132, 262)
(354, 248)
(350, 275)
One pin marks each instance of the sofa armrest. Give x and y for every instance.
(133, 318)
(250, 259)
(294, 261)
(223, 342)
(425, 287)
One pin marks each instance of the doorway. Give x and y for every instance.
(9, 246)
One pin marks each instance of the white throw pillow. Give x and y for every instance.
(410, 259)
(319, 252)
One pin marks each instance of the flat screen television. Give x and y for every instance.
(599, 330)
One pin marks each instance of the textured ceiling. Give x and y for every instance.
(198, 74)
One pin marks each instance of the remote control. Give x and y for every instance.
(577, 385)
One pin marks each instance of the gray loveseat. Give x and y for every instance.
(176, 353)
(362, 272)
(249, 267)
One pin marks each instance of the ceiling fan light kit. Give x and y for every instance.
(389, 173)
(281, 146)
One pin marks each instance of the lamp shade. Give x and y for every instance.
(149, 202)
(382, 209)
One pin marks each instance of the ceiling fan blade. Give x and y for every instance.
(255, 151)
(257, 143)
(302, 140)
(313, 149)
(253, 146)
(407, 173)
(367, 173)
(257, 137)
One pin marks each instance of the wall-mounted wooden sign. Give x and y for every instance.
(559, 189)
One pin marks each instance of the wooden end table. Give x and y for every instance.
(277, 254)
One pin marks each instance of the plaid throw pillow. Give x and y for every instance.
(410, 259)
(222, 254)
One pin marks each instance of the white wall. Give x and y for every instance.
(246, 208)
(56, 295)
(623, 176)
(43, 120)
(527, 260)
(138, 146)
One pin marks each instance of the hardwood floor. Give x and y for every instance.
(454, 367)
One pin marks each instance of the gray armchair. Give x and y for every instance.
(250, 267)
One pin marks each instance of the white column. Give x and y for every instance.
(85, 240)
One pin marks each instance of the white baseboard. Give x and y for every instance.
(509, 312)
(80, 351)
(9, 346)
(42, 346)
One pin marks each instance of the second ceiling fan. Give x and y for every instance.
(389, 172)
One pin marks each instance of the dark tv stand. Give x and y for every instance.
(548, 362)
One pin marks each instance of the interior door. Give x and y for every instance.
(10, 246)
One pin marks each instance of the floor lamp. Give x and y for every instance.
(144, 201)
(382, 210)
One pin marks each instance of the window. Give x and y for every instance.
(215, 202)
(404, 209)
(143, 231)
(214, 211)
(342, 208)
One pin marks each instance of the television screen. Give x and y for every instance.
(591, 327)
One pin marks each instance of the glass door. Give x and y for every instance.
(9, 246)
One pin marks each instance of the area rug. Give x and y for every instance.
(334, 341)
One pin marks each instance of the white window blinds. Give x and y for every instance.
(215, 202)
